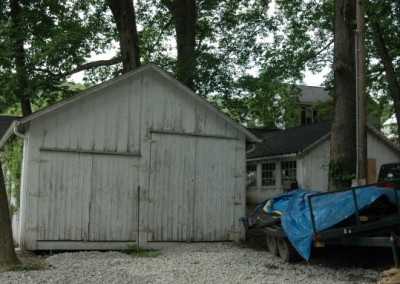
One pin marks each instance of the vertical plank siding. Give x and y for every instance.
(63, 203)
(113, 210)
(214, 189)
(192, 194)
(170, 199)
(381, 152)
(160, 187)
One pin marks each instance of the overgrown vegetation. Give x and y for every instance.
(338, 176)
(11, 157)
(136, 251)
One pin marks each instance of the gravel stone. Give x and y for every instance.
(186, 263)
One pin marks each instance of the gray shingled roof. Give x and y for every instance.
(288, 141)
(310, 95)
(5, 122)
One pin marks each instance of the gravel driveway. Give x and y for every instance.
(187, 263)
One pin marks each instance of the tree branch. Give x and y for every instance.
(151, 49)
(94, 64)
(169, 4)
(314, 54)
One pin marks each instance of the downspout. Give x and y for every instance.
(18, 134)
(253, 147)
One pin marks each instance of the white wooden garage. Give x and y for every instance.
(138, 159)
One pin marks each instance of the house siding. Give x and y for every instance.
(315, 168)
(137, 161)
(380, 151)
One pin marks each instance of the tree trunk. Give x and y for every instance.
(8, 257)
(125, 19)
(390, 72)
(343, 134)
(19, 55)
(184, 16)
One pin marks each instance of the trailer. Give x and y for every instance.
(359, 216)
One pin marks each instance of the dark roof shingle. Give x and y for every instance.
(5, 122)
(288, 141)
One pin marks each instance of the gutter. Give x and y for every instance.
(253, 147)
(9, 132)
(16, 132)
(277, 157)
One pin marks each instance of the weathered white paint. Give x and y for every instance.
(139, 160)
(315, 168)
(382, 152)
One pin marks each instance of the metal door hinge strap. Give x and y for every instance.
(38, 194)
(149, 231)
(145, 199)
(38, 160)
(36, 229)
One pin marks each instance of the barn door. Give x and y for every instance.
(170, 210)
(214, 199)
(87, 197)
(64, 196)
(113, 204)
(192, 188)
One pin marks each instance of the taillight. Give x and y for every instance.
(387, 185)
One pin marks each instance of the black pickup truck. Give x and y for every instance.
(389, 172)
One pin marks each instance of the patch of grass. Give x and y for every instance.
(135, 251)
(27, 267)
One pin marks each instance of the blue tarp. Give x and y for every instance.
(328, 211)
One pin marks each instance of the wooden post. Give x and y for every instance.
(361, 84)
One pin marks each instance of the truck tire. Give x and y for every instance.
(272, 245)
(286, 251)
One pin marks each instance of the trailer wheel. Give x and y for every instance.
(286, 251)
(272, 245)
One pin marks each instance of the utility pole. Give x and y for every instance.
(361, 171)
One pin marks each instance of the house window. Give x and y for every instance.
(288, 171)
(308, 115)
(268, 174)
(251, 176)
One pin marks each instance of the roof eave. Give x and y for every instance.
(275, 157)
(383, 137)
(315, 144)
(9, 133)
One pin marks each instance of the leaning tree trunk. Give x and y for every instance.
(184, 16)
(394, 86)
(343, 134)
(124, 16)
(8, 257)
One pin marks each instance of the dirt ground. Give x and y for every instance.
(31, 261)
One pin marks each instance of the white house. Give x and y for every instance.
(310, 95)
(138, 159)
(301, 155)
(389, 127)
